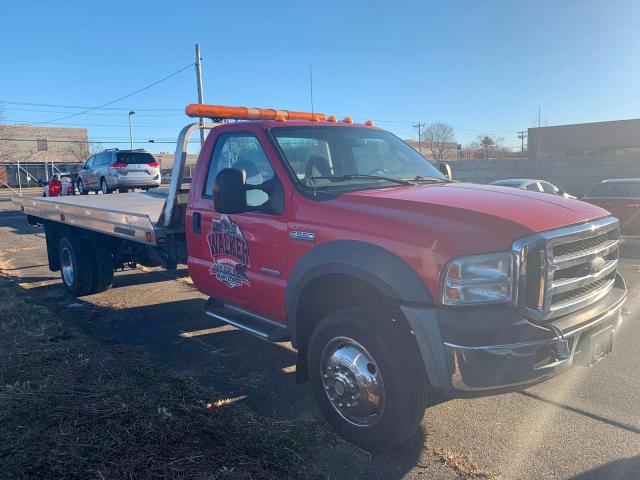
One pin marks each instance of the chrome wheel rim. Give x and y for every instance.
(66, 265)
(104, 186)
(352, 381)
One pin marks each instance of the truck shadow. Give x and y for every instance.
(623, 469)
(16, 221)
(178, 337)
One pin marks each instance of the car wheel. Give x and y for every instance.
(76, 266)
(81, 188)
(104, 186)
(368, 377)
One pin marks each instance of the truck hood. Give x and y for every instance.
(534, 212)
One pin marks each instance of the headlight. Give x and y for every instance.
(479, 279)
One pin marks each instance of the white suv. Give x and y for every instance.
(119, 170)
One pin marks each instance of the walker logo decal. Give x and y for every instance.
(230, 253)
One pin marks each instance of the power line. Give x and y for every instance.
(30, 104)
(101, 114)
(121, 98)
(29, 122)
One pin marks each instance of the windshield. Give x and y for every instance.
(326, 158)
(616, 190)
(135, 158)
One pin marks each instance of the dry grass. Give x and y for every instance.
(71, 409)
(462, 464)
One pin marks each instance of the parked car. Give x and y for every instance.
(533, 186)
(60, 184)
(622, 198)
(120, 170)
(390, 280)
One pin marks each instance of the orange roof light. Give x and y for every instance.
(244, 113)
(332, 118)
(347, 120)
(369, 123)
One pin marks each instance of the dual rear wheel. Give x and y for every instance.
(86, 267)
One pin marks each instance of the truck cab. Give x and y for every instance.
(390, 279)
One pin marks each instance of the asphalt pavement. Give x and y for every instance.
(582, 425)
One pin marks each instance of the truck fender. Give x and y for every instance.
(379, 267)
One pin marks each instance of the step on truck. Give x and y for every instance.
(392, 281)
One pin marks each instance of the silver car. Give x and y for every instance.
(119, 170)
(533, 186)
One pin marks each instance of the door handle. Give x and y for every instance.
(196, 221)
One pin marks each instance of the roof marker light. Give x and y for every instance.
(347, 120)
(244, 113)
(369, 123)
(332, 118)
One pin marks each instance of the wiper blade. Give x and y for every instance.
(364, 177)
(427, 179)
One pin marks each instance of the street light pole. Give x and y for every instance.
(130, 131)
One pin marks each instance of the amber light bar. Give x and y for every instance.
(244, 113)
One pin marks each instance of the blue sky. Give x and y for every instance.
(482, 66)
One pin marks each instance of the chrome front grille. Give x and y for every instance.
(564, 270)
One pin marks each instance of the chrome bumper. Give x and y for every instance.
(489, 367)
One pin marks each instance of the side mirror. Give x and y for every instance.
(230, 191)
(445, 169)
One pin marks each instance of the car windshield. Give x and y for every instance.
(616, 190)
(135, 158)
(507, 184)
(354, 158)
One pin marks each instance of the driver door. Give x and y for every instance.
(239, 258)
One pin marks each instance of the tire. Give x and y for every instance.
(104, 186)
(102, 278)
(123, 190)
(81, 188)
(77, 279)
(388, 352)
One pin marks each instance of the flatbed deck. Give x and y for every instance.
(134, 216)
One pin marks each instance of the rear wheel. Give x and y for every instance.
(81, 188)
(104, 186)
(368, 377)
(102, 276)
(76, 266)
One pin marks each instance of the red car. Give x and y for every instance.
(622, 198)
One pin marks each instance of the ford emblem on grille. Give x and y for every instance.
(595, 265)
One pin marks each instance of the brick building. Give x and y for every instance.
(39, 151)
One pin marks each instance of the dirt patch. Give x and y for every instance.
(462, 464)
(70, 408)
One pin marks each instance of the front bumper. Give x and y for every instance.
(493, 348)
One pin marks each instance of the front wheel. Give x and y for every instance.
(368, 377)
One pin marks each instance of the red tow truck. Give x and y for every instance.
(390, 279)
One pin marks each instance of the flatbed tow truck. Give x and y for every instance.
(390, 280)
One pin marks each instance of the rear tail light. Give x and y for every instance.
(118, 165)
(69, 190)
(153, 164)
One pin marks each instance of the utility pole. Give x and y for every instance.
(200, 94)
(419, 127)
(130, 131)
(522, 135)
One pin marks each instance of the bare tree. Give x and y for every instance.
(81, 151)
(487, 145)
(439, 137)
